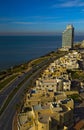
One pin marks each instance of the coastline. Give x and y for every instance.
(19, 70)
(17, 50)
(26, 62)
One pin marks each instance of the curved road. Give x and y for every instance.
(7, 116)
(9, 89)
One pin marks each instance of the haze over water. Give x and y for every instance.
(15, 50)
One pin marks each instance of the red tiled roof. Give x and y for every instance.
(79, 125)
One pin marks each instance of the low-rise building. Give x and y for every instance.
(66, 85)
(46, 110)
(46, 106)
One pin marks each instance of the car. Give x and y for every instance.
(81, 90)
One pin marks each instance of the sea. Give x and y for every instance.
(15, 50)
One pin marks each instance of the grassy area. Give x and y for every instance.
(15, 69)
(77, 74)
(53, 54)
(75, 97)
(38, 61)
(71, 92)
(20, 68)
(5, 82)
(4, 74)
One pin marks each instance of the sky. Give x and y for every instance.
(40, 16)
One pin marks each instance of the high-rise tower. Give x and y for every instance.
(68, 37)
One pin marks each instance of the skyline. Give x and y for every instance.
(44, 17)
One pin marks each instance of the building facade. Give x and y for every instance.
(68, 37)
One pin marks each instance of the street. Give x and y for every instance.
(7, 116)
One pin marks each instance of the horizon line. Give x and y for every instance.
(35, 33)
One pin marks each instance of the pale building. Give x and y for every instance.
(68, 37)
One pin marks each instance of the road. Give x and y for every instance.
(7, 116)
(9, 89)
(4, 94)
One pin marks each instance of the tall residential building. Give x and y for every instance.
(68, 37)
